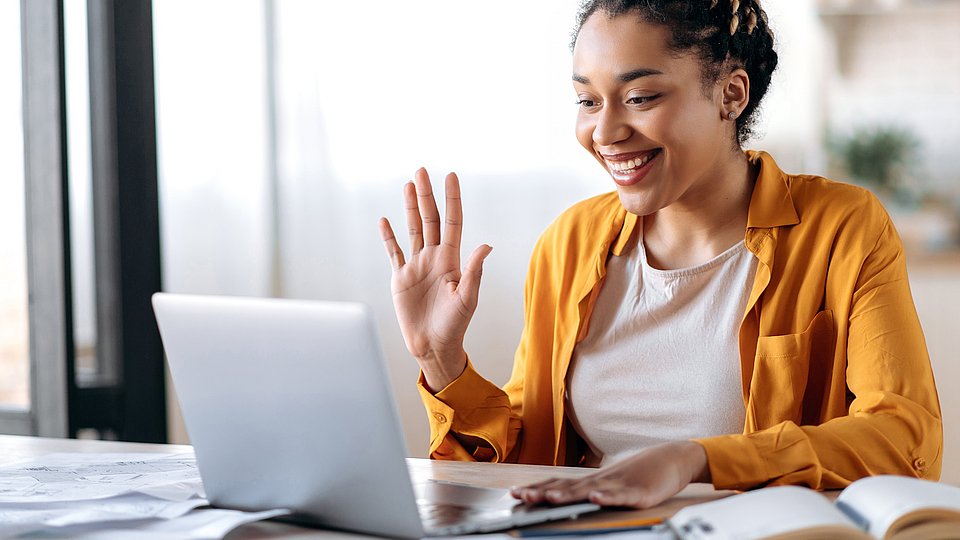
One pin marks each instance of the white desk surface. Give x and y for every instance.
(13, 448)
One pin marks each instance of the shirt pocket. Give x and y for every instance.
(782, 369)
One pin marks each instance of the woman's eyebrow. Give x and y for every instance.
(623, 77)
(637, 73)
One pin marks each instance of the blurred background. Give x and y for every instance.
(286, 128)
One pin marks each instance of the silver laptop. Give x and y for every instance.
(288, 405)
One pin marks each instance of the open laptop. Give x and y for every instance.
(288, 405)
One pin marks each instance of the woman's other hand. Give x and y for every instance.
(434, 299)
(640, 481)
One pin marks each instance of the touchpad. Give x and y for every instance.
(444, 492)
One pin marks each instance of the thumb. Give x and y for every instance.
(469, 286)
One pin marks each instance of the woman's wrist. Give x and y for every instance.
(441, 369)
(697, 461)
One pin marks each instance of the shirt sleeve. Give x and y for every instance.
(893, 423)
(470, 420)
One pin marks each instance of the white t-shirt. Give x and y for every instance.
(661, 360)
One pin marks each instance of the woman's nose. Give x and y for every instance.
(611, 127)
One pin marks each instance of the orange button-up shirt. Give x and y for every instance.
(836, 380)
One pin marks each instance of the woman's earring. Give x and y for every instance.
(732, 115)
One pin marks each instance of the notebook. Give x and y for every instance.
(888, 507)
(288, 405)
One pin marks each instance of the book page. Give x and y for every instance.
(882, 500)
(763, 513)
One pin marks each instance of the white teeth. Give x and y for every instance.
(629, 165)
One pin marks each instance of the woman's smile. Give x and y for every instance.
(630, 168)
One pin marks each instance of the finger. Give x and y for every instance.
(469, 286)
(536, 490)
(541, 484)
(414, 226)
(560, 491)
(453, 212)
(428, 208)
(390, 242)
(632, 497)
(579, 490)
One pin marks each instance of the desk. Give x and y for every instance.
(14, 448)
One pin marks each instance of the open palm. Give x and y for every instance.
(434, 298)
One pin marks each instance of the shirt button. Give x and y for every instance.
(440, 418)
(920, 464)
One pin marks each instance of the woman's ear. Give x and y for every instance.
(735, 92)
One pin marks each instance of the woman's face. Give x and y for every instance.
(645, 116)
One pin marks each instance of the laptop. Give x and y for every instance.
(288, 405)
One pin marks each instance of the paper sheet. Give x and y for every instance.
(111, 496)
(197, 525)
(22, 518)
(75, 477)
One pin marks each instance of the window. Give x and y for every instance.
(77, 67)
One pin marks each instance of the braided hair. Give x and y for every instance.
(725, 35)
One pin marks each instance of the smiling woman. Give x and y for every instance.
(713, 319)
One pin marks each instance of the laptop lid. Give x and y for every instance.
(287, 404)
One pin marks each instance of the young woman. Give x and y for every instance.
(713, 320)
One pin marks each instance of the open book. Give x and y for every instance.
(888, 507)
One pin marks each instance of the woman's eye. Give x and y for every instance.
(584, 102)
(641, 100)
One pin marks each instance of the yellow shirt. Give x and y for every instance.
(836, 380)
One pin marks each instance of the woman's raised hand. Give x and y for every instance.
(434, 299)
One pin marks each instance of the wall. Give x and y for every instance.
(936, 288)
(901, 67)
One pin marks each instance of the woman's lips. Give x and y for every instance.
(628, 169)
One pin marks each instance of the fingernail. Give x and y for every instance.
(599, 497)
(553, 494)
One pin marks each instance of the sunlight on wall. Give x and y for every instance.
(211, 149)
(477, 87)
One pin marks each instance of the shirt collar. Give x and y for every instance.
(771, 204)
(626, 232)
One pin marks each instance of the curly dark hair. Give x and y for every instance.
(725, 35)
